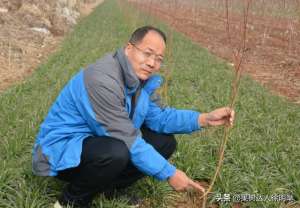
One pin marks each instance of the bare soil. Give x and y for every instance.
(273, 42)
(195, 199)
(31, 30)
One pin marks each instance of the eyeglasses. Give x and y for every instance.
(146, 54)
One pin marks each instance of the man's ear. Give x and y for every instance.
(128, 48)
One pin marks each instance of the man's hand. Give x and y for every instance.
(218, 117)
(181, 182)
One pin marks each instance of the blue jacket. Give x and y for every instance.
(97, 101)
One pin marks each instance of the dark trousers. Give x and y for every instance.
(105, 165)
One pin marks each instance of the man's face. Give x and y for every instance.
(146, 56)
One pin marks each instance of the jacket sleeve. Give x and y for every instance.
(171, 120)
(112, 116)
(149, 161)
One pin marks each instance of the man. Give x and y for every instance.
(107, 129)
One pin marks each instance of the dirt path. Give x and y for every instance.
(273, 43)
(30, 32)
(86, 9)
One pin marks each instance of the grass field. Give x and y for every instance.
(263, 154)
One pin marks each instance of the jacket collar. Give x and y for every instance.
(132, 82)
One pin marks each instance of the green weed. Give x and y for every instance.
(263, 154)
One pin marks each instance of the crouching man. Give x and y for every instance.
(107, 129)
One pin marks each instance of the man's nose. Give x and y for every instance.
(151, 62)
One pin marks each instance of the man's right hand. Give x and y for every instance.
(181, 182)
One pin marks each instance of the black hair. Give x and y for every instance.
(138, 35)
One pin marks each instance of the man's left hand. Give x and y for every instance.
(218, 117)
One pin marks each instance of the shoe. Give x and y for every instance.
(132, 200)
(57, 205)
(74, 199)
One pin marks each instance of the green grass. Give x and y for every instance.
(262, 157)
